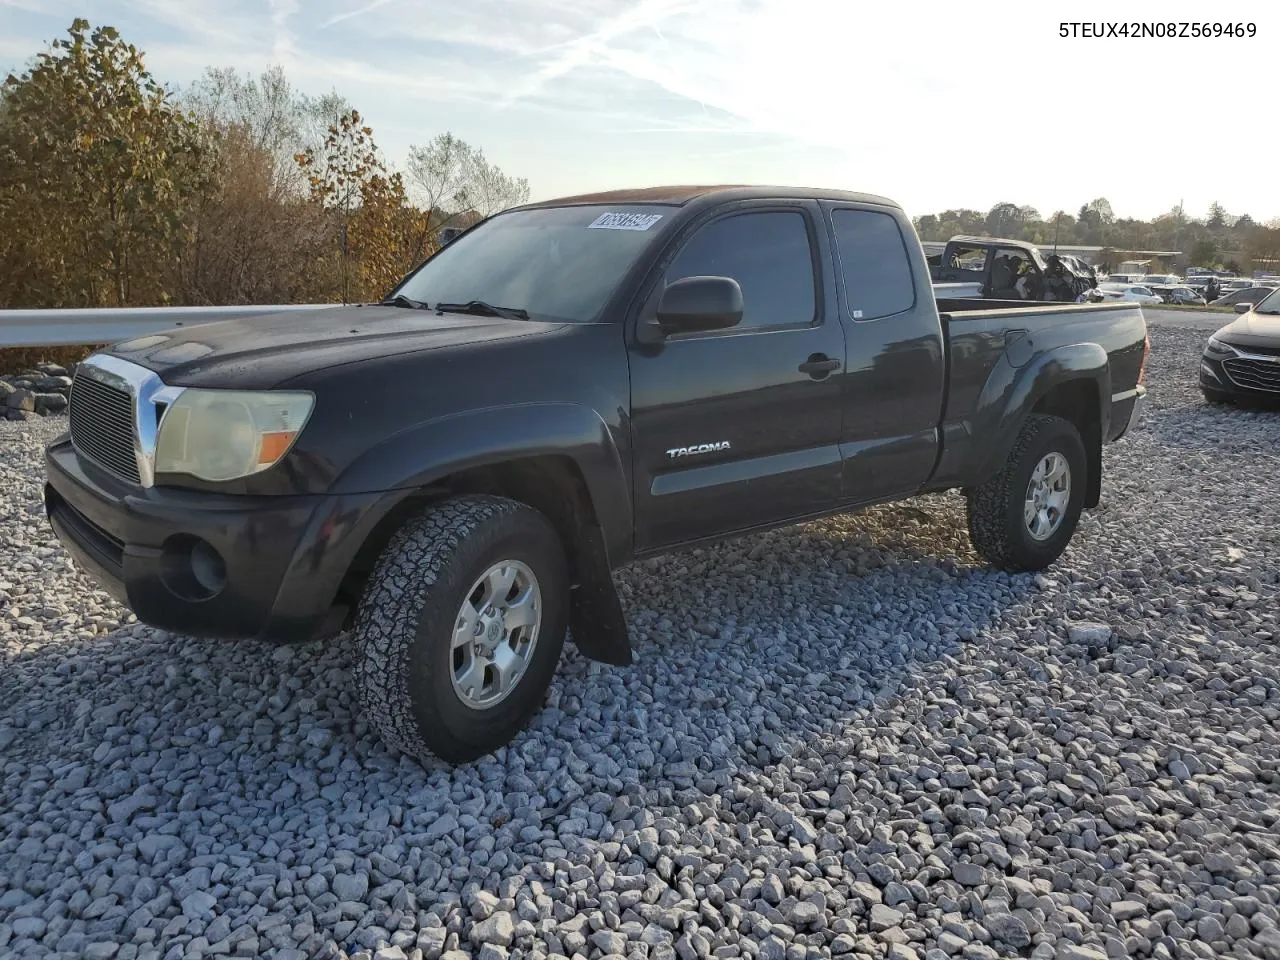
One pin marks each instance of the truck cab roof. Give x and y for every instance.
(682, 195)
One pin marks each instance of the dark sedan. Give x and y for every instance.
(1242, 360)
(1236, 297)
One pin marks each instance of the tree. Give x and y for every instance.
(1203, 254)
(251, 240)
(1102, 207)
(1062, 226)
(98, 170)
(1263, 248)
(1095, 218)
(1005, 220)
(387, 234)
(338, 173)
(455, 180)
(1217, 216)
(927, 228)
(275, 118)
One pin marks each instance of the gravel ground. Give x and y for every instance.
(843, 739)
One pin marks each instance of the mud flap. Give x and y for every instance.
(596, 622)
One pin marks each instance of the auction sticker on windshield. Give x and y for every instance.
(624, 221)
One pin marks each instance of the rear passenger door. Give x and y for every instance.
(739, 428)
(895, 380)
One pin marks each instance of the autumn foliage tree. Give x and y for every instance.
(115, 191)
(380, 235)
(98, 171)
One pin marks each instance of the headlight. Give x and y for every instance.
(228, 434)
(1217, 348)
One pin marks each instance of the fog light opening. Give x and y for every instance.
(192, 569)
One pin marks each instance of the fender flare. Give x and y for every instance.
(428, 452)
(1012, 392)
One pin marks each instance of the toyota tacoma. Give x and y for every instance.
(451, 475)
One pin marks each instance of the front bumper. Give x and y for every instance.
(282, 558)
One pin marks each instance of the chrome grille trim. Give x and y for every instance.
(114, 417)
(1254, 372)
(101, 421)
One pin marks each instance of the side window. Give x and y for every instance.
(873, 257)
(768, 253)
(972, 260)
(1014, 276)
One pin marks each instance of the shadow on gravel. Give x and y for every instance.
(746, 653)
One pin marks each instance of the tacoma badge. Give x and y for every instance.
(676, 452)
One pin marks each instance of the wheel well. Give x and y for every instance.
(1077, 401)
(553, 485)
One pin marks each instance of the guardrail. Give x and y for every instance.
(84, 327)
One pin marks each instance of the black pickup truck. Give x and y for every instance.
(453, 473)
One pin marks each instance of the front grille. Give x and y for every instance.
(102, 426)
(1253, 374)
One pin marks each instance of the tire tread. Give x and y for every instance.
(989, 504)
(388, 617)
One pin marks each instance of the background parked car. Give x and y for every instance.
(1134, 293)
(1242, 360)
(1178, 294)
(1239, 283)
(1244, 295)
(1161, 280)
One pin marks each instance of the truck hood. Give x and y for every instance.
(264, 351)
(1253, 329)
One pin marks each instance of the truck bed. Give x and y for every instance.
(982, 334)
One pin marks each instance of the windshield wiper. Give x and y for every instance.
(481, 309)
(400, 300)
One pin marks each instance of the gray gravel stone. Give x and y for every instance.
(864, 743)
(499, 929)
(884, 917)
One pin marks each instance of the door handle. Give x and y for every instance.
(819, 365)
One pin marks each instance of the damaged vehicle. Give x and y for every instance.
(1013, 270)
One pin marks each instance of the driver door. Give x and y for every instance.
(740, 428)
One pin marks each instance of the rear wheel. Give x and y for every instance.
(1023, 518)
(461, 627)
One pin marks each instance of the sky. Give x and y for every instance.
(933, 104)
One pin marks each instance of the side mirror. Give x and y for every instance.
(1243, 307)
(696, 304)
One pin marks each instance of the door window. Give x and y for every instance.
(770, 256)
(875, 265)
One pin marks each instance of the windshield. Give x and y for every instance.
(557, 263)
(1271, 305)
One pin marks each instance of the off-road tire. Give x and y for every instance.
(996, 525)
(404, 624)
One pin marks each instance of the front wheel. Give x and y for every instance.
(1023, 517)
(461, 627)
